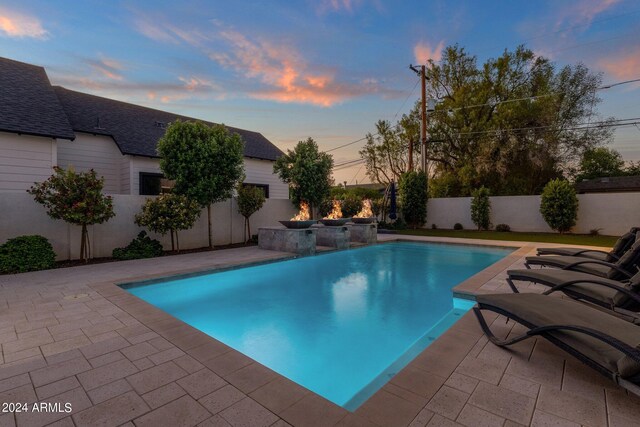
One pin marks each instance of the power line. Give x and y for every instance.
(607, 86)
(634, 121)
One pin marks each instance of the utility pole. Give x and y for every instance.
(422, 73)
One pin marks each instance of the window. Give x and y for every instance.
(263, 187)
(153, 184)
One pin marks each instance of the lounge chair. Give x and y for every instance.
(622, 297)
(623, 244)
(604, 342)
(623, 269)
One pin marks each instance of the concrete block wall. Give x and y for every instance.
(20, 215)
(613, 213)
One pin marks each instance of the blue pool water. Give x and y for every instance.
(341, 323)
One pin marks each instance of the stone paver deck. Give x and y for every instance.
(73, 336)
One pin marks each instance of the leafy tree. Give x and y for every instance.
(76, 198)
(413, 198)
(307, 171)
(600, 162)
(559, 205)
(206, 162)
(250, 200)
(481, 208)
(509, 124)
(169, 213)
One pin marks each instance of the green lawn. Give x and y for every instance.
(569, 239)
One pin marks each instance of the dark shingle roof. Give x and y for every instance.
(135, 129)
(28, 104)
(610, 184)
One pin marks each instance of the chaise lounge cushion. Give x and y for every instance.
(553, 277)
(542, 310)
(563, 261)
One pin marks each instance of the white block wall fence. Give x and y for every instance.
(21, 215)
(613, 213)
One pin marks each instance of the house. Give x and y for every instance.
(42, 126)
(611, 184)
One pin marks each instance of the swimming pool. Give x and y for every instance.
(340, 324)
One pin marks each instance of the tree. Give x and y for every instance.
(169, 213)
(307, 171)
(559, 205)
(206, 162)
(600, 162)
(481, 208)
(250, 200)
(75, 198)
(510, 124)
(413, 198)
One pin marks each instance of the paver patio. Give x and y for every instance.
(72, 336)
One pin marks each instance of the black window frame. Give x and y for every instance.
(143, 175)
(264, 187)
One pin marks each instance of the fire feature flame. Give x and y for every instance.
(303, 215)
(336, 211)
(366, 211)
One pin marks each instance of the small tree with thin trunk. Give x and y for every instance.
(206, 162)
(250, 200)
(307, 170)
(169, 213)
(76, 198)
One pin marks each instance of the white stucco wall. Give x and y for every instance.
(613, 213)
(96, 152)
(22, 216)
(24, 160)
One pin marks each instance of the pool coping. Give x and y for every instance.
(194, 342)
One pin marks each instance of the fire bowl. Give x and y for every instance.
(335, 222)
(298, 224)
(367, 220)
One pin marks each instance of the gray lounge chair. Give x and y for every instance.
(623, 244)
(623, 269)
(605, 342)
(622, 297)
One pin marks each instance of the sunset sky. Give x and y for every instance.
(328, 69)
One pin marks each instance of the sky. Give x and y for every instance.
(327, 69)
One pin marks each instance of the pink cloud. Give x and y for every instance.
(18, 25)
(424, 51)
(107, 67)
(623, 66)
(584, 12)
(284, 71)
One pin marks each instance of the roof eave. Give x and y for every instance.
(43, 135)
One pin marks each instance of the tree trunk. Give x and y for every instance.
(83, 242)
(248, 229)
(209, 224)
(177, 241)
(173, 248)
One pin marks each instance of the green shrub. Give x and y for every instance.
(481, 208)
(413, 198)
(503, 228)
(142, 246)
(458, 226)
(26, 253)
(559, 205)
(351, 205)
